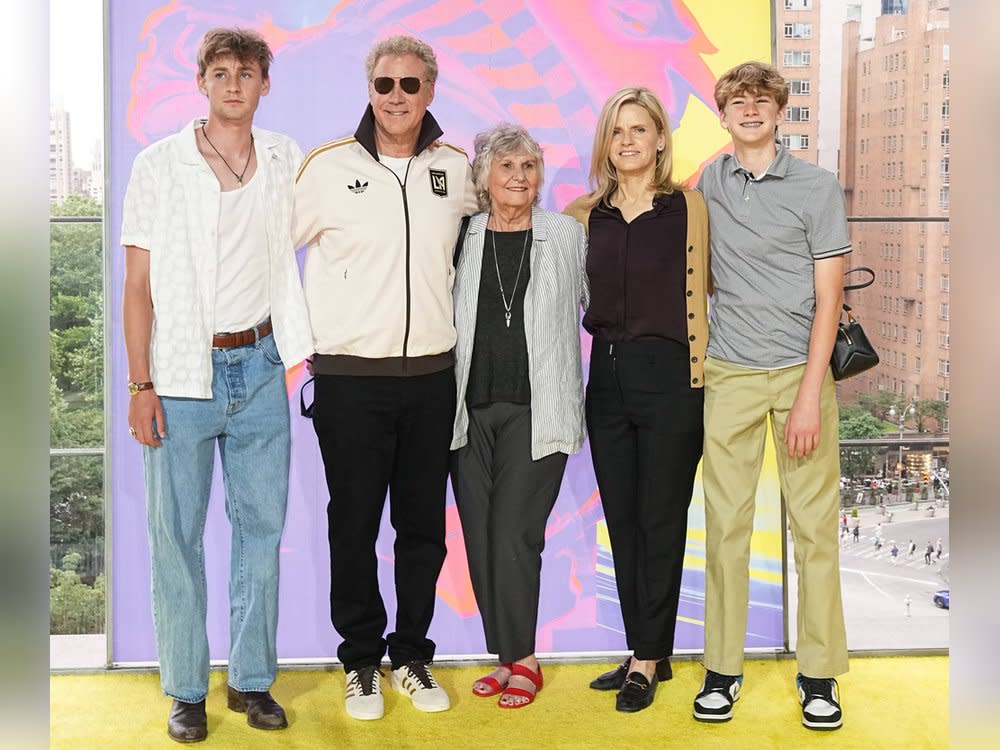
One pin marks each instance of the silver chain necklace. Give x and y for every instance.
(496, 264)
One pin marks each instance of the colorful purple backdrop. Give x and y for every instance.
(548, 64)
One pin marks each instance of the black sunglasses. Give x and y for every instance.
(384, 84)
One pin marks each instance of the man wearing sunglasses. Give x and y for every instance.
(380, 213)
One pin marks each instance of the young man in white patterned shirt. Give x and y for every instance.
(212, 311)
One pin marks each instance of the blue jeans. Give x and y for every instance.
(248, 417)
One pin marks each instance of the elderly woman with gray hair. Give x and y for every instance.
(520, 279)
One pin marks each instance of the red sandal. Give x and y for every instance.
(519, 670)
(492, 683)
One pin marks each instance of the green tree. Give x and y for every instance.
(880, 403)
(858, 460)
(930, 409)
(74, 607)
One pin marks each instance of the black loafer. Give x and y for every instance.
(187, 721)
(263, 711)
(636, 694)
(614, 679)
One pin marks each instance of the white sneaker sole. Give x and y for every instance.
(716, 718)
(429, 708)
(822, 725)
(365, 715)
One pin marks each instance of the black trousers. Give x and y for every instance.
(377, 434)
(504, 500)
(645, 425)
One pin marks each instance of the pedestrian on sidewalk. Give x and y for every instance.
(928, 552)
(857, 534)
(939, 549)
(911, 548)
(894, 552)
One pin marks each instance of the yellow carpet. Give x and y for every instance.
(889, 702)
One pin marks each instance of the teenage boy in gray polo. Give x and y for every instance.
(779, 236)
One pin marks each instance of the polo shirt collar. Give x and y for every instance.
(777, 168)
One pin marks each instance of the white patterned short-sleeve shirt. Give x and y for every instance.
(172, 210)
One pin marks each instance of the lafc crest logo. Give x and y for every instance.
(439, 182)
(358, 186)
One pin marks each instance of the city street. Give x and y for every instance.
(875, 588)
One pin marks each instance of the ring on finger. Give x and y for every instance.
(131, 430)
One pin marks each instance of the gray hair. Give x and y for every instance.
(401, 44)
(492, 144)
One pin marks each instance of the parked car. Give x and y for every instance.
(942, 599)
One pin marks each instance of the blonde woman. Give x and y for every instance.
(647, 267)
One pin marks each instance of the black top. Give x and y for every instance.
(637, 272)
(499, 369)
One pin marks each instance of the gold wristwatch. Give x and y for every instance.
(134, 388)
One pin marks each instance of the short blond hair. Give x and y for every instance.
(603, 175)
(752, 78)
(401, 44)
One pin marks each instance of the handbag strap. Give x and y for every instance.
(860, 285)
(863, 284)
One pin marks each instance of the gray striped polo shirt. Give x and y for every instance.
(767, 232)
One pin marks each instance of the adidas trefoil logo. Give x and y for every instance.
(358, 186)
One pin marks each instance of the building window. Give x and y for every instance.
(943, 312)
(800, 86)
(903, 339)
(799, 58)
(945, 166)
(795, 141)
(923, 139)
(923, 196)
(945, 283)
(926, 82)
(946, 78)
(798, 30)
(946, 108)
(944, 367)
(945, 254)
(918, 337)
(944, 339)
(920, 282)
(916, 365)
(945, 137)
(944, 196)
(927, 47)
(797, 114)
(924, 111)
(943, 395)
(920, 309)
(798, 4)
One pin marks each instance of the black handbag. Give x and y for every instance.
(852, 353)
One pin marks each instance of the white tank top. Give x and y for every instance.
(242, 291)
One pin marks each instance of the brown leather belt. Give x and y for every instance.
(241, 338)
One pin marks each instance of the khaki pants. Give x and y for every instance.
(738, 401)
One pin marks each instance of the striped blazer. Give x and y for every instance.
(556, 289)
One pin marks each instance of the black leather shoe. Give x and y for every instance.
(263, 711)
(614, 679)
(637, 693)
(187, 721)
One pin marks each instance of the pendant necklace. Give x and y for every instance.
(237, 175)
(496, 264)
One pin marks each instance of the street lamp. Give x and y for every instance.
(910, 410)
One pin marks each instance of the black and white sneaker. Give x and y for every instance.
(363, 693)
(416, 681)
(820, 701)
(718, 694)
